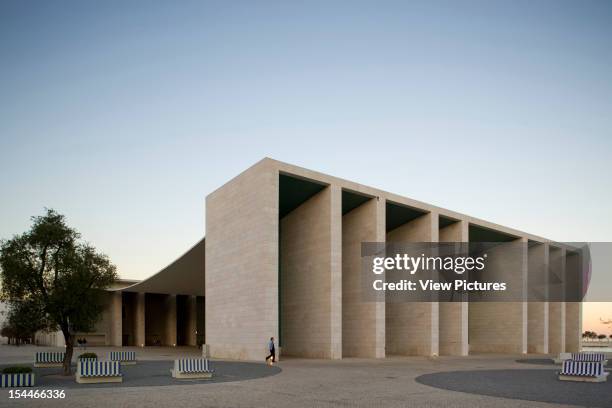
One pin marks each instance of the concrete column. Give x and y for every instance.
(381, 325)
(435, 306)
(191, 321)
(525, 271)
(573, 310)
(537, 312)
(335, 272)
(362, 322)
(139, 320)
(556, 310)
(116, 321)
(573, 326)
(454, 315)
(413, 328)
(170, 320)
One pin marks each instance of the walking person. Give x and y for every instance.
(272, 351)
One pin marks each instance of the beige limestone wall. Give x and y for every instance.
(500, 327)
(139, 320)
(573, 310)
(556, 310)
(363, 323)
(454, 315)
(413, 328)
(496, 327)
(307, 273)
(170, 320)
(101, 333)
(573, 326)
(556, 327)
(115, 320)
(241, 278)
(537, 312)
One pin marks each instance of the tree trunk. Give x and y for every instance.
(69, 348)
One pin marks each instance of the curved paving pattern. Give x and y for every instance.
(157, 373)
(532, 385)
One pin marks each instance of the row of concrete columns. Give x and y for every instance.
(323, 313)
(162, 318)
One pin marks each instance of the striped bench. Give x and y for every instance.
(592, 357)
(589, 357)
(125, 357)
(17, 380)
(192, 368)
(588, 371)
(49, 359)
(92, 371)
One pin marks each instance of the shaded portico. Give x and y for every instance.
(163, 309)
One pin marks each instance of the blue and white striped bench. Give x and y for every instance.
(125, 357)
(18, 380)
(92, 371)
(192, 368)
(49, 359)
(590, 357)
(583, 371)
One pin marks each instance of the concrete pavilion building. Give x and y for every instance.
(281, 257)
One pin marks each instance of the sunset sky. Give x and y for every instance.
(592, 312)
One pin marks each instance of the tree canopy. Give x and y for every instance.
(57, 277)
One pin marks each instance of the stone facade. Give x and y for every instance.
(295, 274)
(315, 305)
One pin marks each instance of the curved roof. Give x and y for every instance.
(184, 276)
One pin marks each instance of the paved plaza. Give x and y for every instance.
(475, 381)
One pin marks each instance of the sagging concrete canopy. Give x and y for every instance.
(184, 276)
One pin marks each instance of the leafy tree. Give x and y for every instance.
(24, 319)
(589, 334)
(601, 336)
(50, 269)
(8, 332)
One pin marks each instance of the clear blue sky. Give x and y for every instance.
(125, 116)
